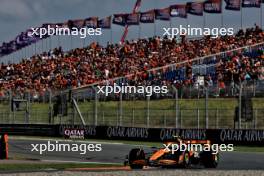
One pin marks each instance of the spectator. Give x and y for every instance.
(57, 70)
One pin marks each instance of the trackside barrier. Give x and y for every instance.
(245, 137)
(4, 146)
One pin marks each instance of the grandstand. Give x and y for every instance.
(57, 70)
(197, 71)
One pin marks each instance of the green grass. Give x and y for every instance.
(161, 114)
(48, 166)
(248, 149)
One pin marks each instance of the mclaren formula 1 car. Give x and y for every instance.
(168, 157)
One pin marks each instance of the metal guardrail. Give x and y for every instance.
(187, 108)
(193, 118)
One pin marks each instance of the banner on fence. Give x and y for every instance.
(233, 136)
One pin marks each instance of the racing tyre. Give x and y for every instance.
(186, 160)
(210, 160)
(136, 154)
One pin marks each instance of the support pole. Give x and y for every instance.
(51, 119)
(95, 106)
(10, 107)
(261, 16)
(204, 20)
(135, 10)
(27, 109)
(148, 99)
(206, 109)
(120, 109)
(111, 36)
(78, 111)
(198, 118)
(240, 106)
(176, 107)
(222, 20)
(241, 16)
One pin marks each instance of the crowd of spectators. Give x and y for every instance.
(59, 70)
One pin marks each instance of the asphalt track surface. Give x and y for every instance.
(116, 152)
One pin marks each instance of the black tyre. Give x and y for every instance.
(186, 160)
(136, 154)
(136, 166)
(210, 160)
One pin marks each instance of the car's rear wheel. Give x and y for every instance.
(134, 155)
(210, 160)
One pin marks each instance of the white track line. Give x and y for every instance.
(67, 140)
(78, 162)
(79, 141)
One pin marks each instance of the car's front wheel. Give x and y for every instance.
(136, 154)
(186, 160)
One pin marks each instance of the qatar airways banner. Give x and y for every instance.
(195, 8)
(162, 14)
(104, 23)
(251, 3)
(119, 19)
(233, 5)
(213, 6)
(91, 22)
(147, 17)
(132, 19)
(178, 11)
(234, 136)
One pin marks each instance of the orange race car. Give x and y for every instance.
(195, 152)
